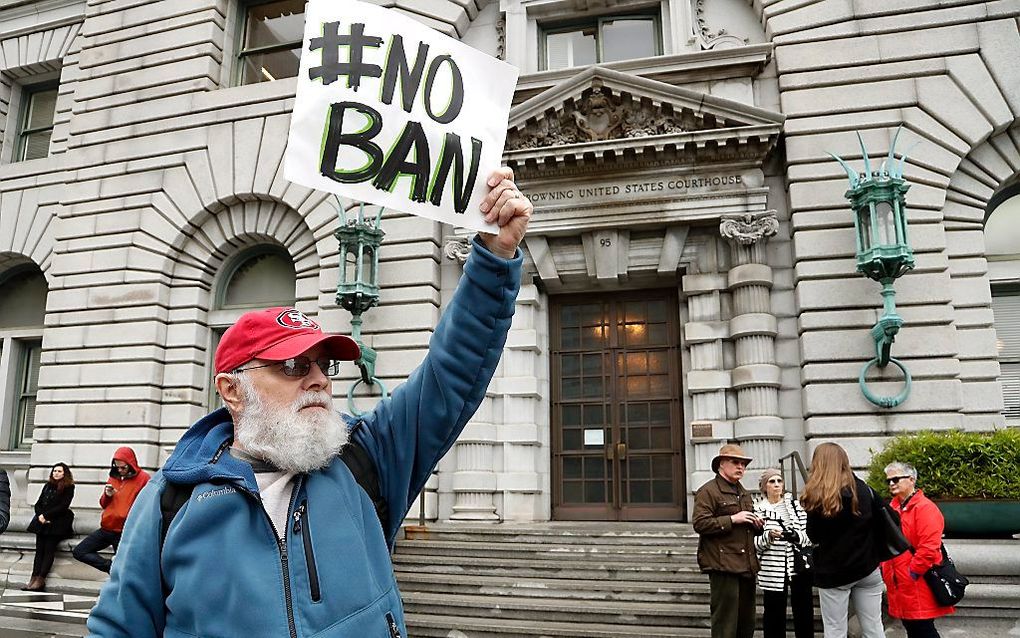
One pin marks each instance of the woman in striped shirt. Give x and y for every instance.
(785, 522)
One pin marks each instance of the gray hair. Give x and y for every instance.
(902, 468)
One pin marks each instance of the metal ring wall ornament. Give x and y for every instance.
(350, 394)
(885, 402)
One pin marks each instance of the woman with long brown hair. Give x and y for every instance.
(839, 510)
(52, 523)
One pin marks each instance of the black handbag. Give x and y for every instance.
(889, 541)
(803, 558)
(946, 583)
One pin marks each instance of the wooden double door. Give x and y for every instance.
(616, 410)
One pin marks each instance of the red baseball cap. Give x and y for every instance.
(276, 334)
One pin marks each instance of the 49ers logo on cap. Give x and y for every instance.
(296, 320)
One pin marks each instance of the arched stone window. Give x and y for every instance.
(257, 277)
(1002, 248)
(23, 290)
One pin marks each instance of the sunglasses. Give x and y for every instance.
(774, 480)
(300, 366)
(892, 480)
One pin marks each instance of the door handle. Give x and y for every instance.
(621, 451)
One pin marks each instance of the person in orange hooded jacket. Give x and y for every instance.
(910, 598)
(119, 493)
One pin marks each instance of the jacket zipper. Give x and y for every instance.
(281, 544)
(306, 540)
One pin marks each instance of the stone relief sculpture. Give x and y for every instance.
(599, 116)
(720, 39)
(457, 249)
(749, 228)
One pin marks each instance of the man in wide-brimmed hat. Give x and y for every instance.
(727, 525)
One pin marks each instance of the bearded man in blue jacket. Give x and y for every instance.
(277, 538)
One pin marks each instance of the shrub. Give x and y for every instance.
(955, 464)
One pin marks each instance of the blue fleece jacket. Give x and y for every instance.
(227, 576)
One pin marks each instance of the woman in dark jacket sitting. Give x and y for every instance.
(52, 523)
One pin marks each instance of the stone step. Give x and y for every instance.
(551, 551)
(555, 610)
(434, 625)
(20, 626)
(592, 570)
(589, 534)
(577, 590)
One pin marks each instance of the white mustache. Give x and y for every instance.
(320, 398)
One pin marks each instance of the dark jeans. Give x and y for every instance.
(920, 628)
(45, 551)
(87, 551)
(732, 603)
(774, 616)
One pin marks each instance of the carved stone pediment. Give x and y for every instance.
(604, 114)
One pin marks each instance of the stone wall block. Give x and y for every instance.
(927, 395)
(946, 101)
(982, 397)
(699, 381)
(999, 43)
(856, 292)
(828, 243)
(807, 56)
(857, 345)
(870, 424)
(826, 100)
(705, 331)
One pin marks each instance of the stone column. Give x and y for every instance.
(473, 481)
(753, 328)
(707, 381)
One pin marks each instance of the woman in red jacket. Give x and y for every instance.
(910, 599)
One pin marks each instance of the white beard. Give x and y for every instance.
(286, 438)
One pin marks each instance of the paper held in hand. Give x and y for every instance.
(391, 112)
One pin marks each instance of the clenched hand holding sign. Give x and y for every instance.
(390, 112)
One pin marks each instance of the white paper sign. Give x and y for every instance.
(391, 112)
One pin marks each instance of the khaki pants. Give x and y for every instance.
(732, 605)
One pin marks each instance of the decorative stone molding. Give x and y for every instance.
(600, 113)
(501, 36)
(712, 39)
(457, 249)
(749, 228)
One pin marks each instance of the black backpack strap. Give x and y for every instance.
(363, 468)
(173, 498)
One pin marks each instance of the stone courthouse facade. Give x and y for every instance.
(690, 274)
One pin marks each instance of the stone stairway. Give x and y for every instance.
(571, 580)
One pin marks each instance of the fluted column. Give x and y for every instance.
(753, 328)
(707, 381)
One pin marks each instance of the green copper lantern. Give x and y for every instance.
(878, 200)
(358, 286)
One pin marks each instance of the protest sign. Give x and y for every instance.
(391, 112)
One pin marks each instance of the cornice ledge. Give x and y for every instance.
(764, 135)
(738, 61)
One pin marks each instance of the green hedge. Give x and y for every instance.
(955, 464)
